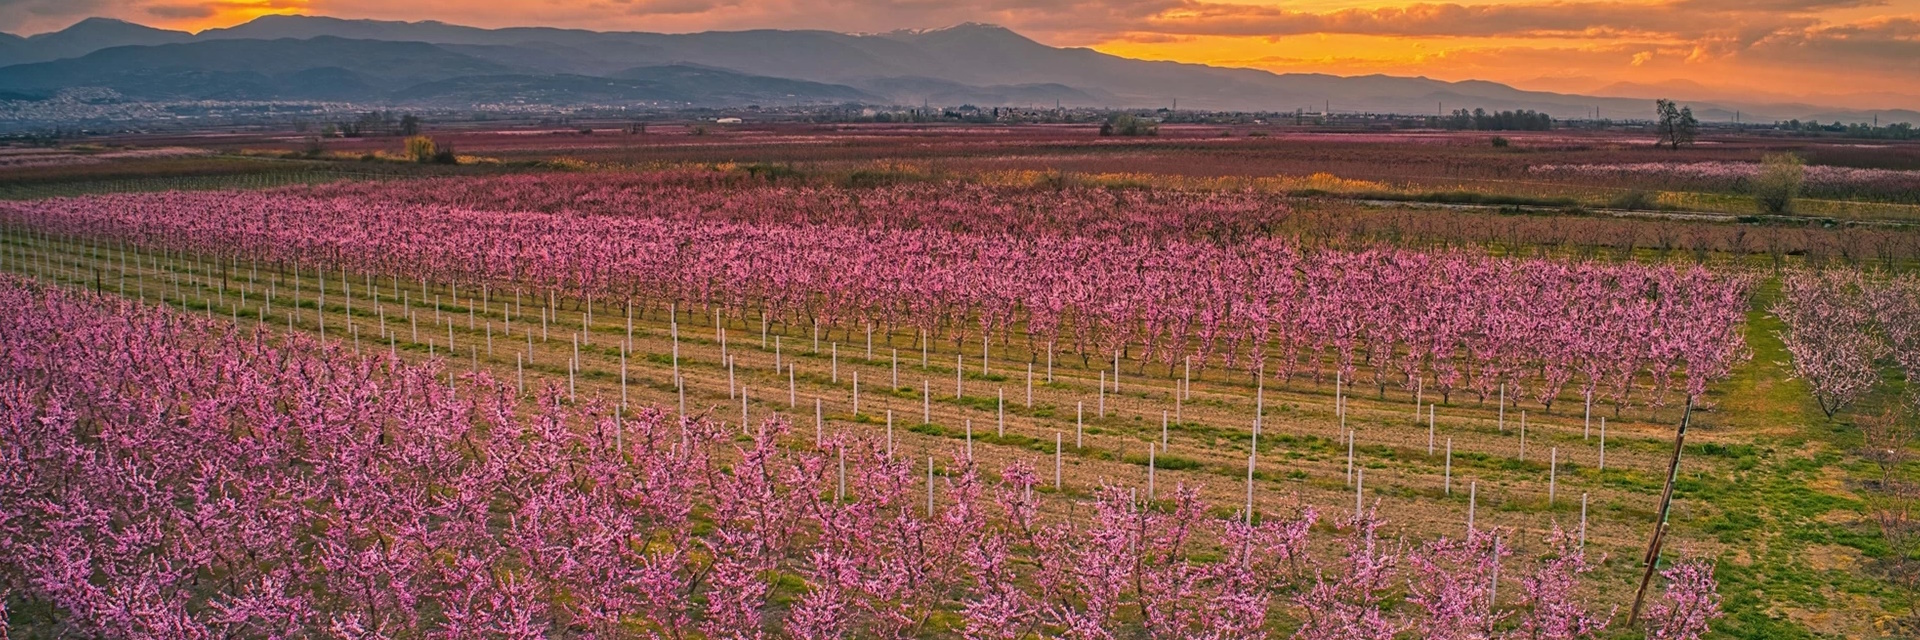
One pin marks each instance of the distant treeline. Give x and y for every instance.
(1899, 131)
(1483, 120)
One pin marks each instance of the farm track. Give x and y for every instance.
(1301, 451)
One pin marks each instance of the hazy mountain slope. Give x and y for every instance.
(252, 69)
(973, 63)
(84, 37)
(719, 86)
(916, 90)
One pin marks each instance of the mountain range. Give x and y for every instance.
(433, 63)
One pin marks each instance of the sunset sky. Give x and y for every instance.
(1864, 53)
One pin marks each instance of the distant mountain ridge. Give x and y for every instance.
(985, 65)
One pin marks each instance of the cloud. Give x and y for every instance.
(1888, 45)
(32, 16)
(1847, 45)
(182, 11)
(1775, 6)
(669, 7)
(1590, 20)
(1152, 38)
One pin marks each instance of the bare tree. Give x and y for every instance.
(1888, 440)
(1675, 124)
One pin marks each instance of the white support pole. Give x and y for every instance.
(1056, 461)
(1553, 472)
(969, 439)
(1079, 425)
(889, 434)
(1473, 502)
(926, 401)
(1603, 443)
(1150, 467)
(1349, 458)
(1029, 385)
(1253, 461)
(1001, 406)
(1587, 432)
(1583, 522)
(1339, 386)
(1430, 432)
(1419, 395)
(1359, 485)
(819, 424)
(856, 394)
(1259, 402)
(1447, 482)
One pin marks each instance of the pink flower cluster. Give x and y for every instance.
(163, 476)
(688, 195)
(1448, 320)
(1840, 324)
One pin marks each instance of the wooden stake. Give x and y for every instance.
(1652, 557)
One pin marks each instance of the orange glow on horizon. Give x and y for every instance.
(228, 13)
(1780, 49)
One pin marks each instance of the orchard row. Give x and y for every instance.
(166, 475)
(1433, 322)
